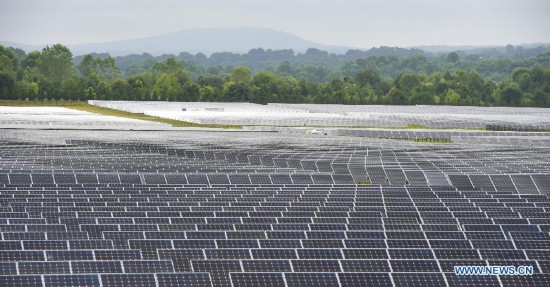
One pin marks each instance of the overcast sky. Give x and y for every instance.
(352, 23)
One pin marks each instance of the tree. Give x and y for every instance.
(71, 88)
(236, 92)
(396, 97)
(264, 86)
(87, 65)
(31, 60)
(523, 78)
(55, 63)
(167, 88)
(453, 57)
(8, 64)
(240, 75)
(119, 90)
(174, 67)
(451, 98)
(207, 94)
(137, 87)
(368, 77)
(510, 94)
(407, 82)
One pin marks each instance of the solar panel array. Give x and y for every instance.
(63, 118)
(196, 208)
(338, 115)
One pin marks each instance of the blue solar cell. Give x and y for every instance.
(71, 281)
(21, 281)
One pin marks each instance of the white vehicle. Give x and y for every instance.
(316, 132)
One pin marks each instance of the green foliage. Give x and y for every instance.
(240, 75)
(55, 63)
(167, 88)
(8, 73)
(453, 57)
(396, 76)
(451, 98)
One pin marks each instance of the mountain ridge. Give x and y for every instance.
(204, 40)
(236, 40)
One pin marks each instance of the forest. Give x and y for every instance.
(511, 76)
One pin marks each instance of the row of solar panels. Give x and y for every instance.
(241, 248)
(414, 134)
(522, 183)
(196, 249)
(226, 273)
(263, 265)
(275, 279)
(205, 179)
(415, 165)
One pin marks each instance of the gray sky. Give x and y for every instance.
(350, 23)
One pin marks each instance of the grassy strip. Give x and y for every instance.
(408, 127)
(144, 117)
(432, 140)
(363, 182)
(369, 127)
(84, 106)
(421, 127)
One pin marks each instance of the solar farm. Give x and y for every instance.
(93, 200)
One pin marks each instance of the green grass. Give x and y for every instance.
(363, 182)
(409, 126)
(417, 127)
(84, 106)
(144, 117)
(432, 140)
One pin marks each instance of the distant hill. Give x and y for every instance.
(476, 49)
(207, 41)
(235, 40)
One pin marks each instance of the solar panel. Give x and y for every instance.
(257, 279)
(97, 267)
(197, 179)
(21, 281)
(458, 280)
(128, 280)
(364, 279)
(365, 265)
(218, 179)
(219, 269)
(42, 179)
(311, 279)
(316, 266)
(71, 280)
(43, 268)
(355, 207)
(418, 279)
(108, 178)
(183, 279)
(154, 179)
(266, 266)
(147, 266)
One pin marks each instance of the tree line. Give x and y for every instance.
(407, 77)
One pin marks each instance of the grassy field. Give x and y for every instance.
(84, 106)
